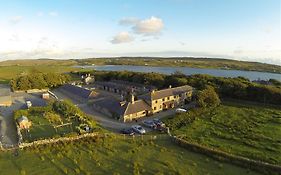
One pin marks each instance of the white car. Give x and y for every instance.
(28, 104)
(180, 110)
(138, 129)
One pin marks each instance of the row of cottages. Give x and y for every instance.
(125, 110)
(78, 91)
(5, 96)
(147, 104)
(123, 87)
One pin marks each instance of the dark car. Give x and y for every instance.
(128, 131)
(158, 122)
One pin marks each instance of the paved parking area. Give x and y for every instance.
(8, 132)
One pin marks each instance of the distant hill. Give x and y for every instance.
(216, 63)
(34, 62)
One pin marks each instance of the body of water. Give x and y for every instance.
(252, 75)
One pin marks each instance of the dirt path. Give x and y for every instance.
(8, 131)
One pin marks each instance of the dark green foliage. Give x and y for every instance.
(275, 82)
(38, 81)
(208, 98)
(236, 88)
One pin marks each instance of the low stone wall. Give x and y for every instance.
(54, 140)
(36, 90)
(256, 165)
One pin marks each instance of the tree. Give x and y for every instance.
(208, 97)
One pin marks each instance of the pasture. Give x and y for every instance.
(113, 155)
(245, 130)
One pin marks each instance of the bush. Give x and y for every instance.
(208, 98)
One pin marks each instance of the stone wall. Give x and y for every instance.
(256, 165)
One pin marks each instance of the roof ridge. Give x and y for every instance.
(126, 108)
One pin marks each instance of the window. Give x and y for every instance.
(168, 98)
(154, 108)
(143, 112)
(155, 101)
(163, 99)
(160, 106)
(175, 96)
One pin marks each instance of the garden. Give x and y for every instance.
(57, 119)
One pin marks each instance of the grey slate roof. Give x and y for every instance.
(137, 106)
(111, 105)
(166, 93)
(82, 92)
(114, 106)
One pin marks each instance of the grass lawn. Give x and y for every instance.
(42, 128)
(115, 155)
(244, 130)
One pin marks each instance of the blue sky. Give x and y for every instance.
(235, 29)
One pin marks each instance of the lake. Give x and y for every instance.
(252, 75)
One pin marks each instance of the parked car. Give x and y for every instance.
(149, 123)
(138, 129)
(28, 104)
(181, 110)
(128, 131)
(158, 122)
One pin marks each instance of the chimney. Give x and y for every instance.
(132, 98)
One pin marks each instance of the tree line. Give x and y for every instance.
(38, 81)
(237, 88)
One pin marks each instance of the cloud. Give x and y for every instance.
(122, 37)
(14, 38)
(151, 26)
(129, 21)
(53, 13)
(16, 19)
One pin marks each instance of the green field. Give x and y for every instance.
(204, 63)
(244, 130)
(9, 72)
(114, 155)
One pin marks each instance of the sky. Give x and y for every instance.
(234, 29)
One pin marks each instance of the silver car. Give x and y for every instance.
(138, 129)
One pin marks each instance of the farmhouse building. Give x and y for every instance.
(168, 98)
(5, 96)
(124, 111)
(152, 102)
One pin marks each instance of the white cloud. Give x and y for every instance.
(16, 19)
(151, 26)
(122, 37)
(53, 13)
(129, 21)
